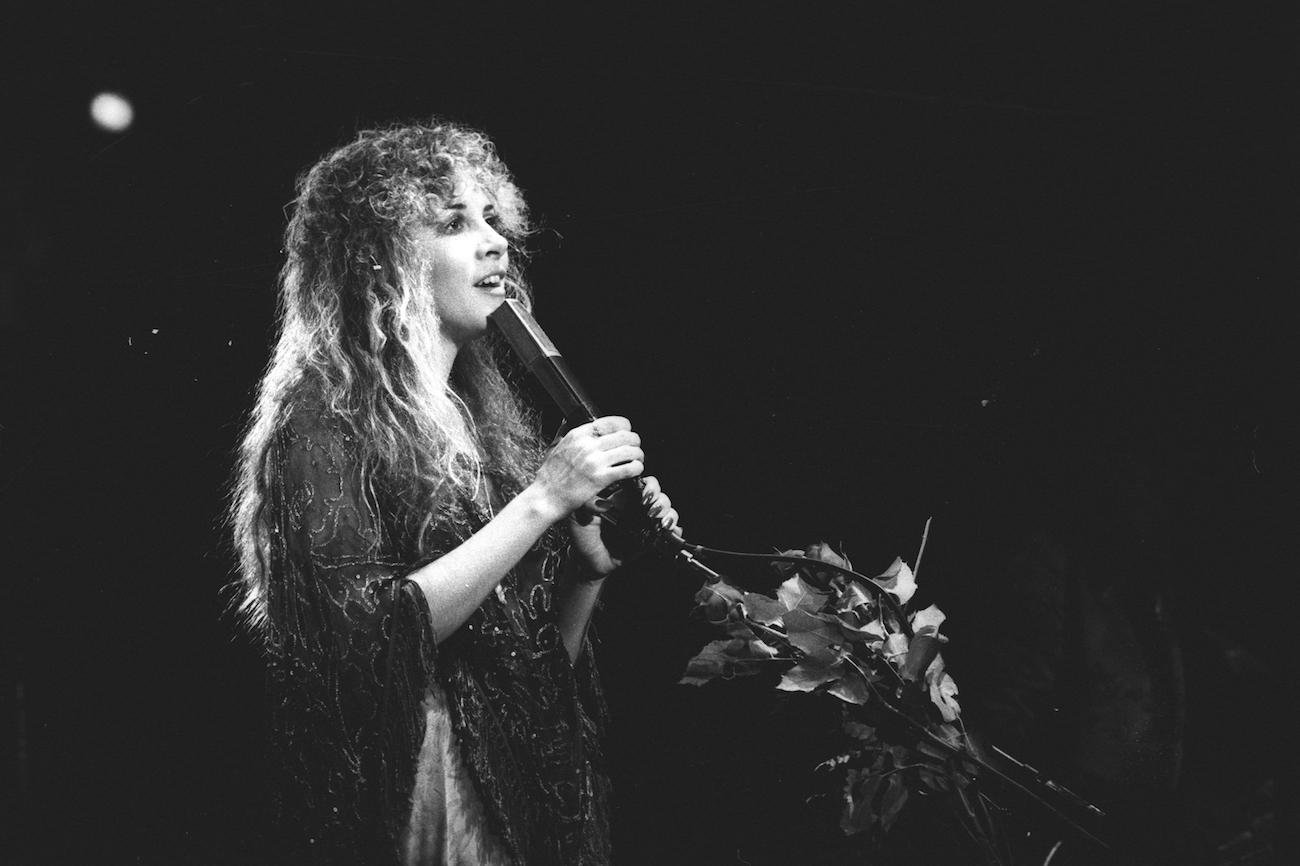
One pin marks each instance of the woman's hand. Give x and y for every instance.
(590, 544)
(585, 461)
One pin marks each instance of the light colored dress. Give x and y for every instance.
(447, 825)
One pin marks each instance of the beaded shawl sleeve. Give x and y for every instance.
(350, 646)
(352, 652)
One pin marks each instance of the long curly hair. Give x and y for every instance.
(358, 333)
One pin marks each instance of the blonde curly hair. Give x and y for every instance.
(356, 329)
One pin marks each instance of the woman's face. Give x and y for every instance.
(464, 260)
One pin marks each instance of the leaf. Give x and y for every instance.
(708, 662)
(810, 633)
(716, 600)
(899, 581)
(854, 596)
(950, 735)
(927, 620)
(935, 781)
(876, 629)
(895, 648)
(923, 649)
(822, 552)
(870, 633)
(851, 688)
(720, 658)
(784, 568)
(814, 670)
(796, 594)
(762, 609)
(859, 731)
(859, 790)
(943, 691)
(899, 754)
(892, 801)
(935, 669)
(805, 677)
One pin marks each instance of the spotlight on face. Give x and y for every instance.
(111, 112)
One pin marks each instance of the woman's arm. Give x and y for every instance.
(456, 583)
(587, 460)
(576, 597)
(580, 585)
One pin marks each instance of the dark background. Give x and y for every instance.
(847, 266)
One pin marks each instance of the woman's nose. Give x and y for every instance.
(493, 243)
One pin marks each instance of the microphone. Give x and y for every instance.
(543, 360)
(536, 351)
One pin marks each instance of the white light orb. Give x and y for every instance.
(112, 112)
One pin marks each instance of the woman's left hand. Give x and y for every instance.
(589, 543)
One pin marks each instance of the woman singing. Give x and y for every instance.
(405, 553)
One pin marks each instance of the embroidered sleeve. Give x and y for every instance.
(351, 652)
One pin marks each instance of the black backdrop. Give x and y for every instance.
(847, 266)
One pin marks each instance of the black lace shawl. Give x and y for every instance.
(351, 651)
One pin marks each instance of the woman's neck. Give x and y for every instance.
(448, 350)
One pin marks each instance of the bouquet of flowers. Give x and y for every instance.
(829, 630)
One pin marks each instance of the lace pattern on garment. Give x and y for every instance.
(351, 653)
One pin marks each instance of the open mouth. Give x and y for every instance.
(492, 281)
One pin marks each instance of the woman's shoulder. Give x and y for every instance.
(307, 418)
(310, 438)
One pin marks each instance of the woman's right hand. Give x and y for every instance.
(586, 460)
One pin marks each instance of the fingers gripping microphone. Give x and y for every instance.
(543, 360)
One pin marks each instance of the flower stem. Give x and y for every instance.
(925, 534)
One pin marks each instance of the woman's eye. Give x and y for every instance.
(452, 225)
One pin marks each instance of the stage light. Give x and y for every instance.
(112, 112)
